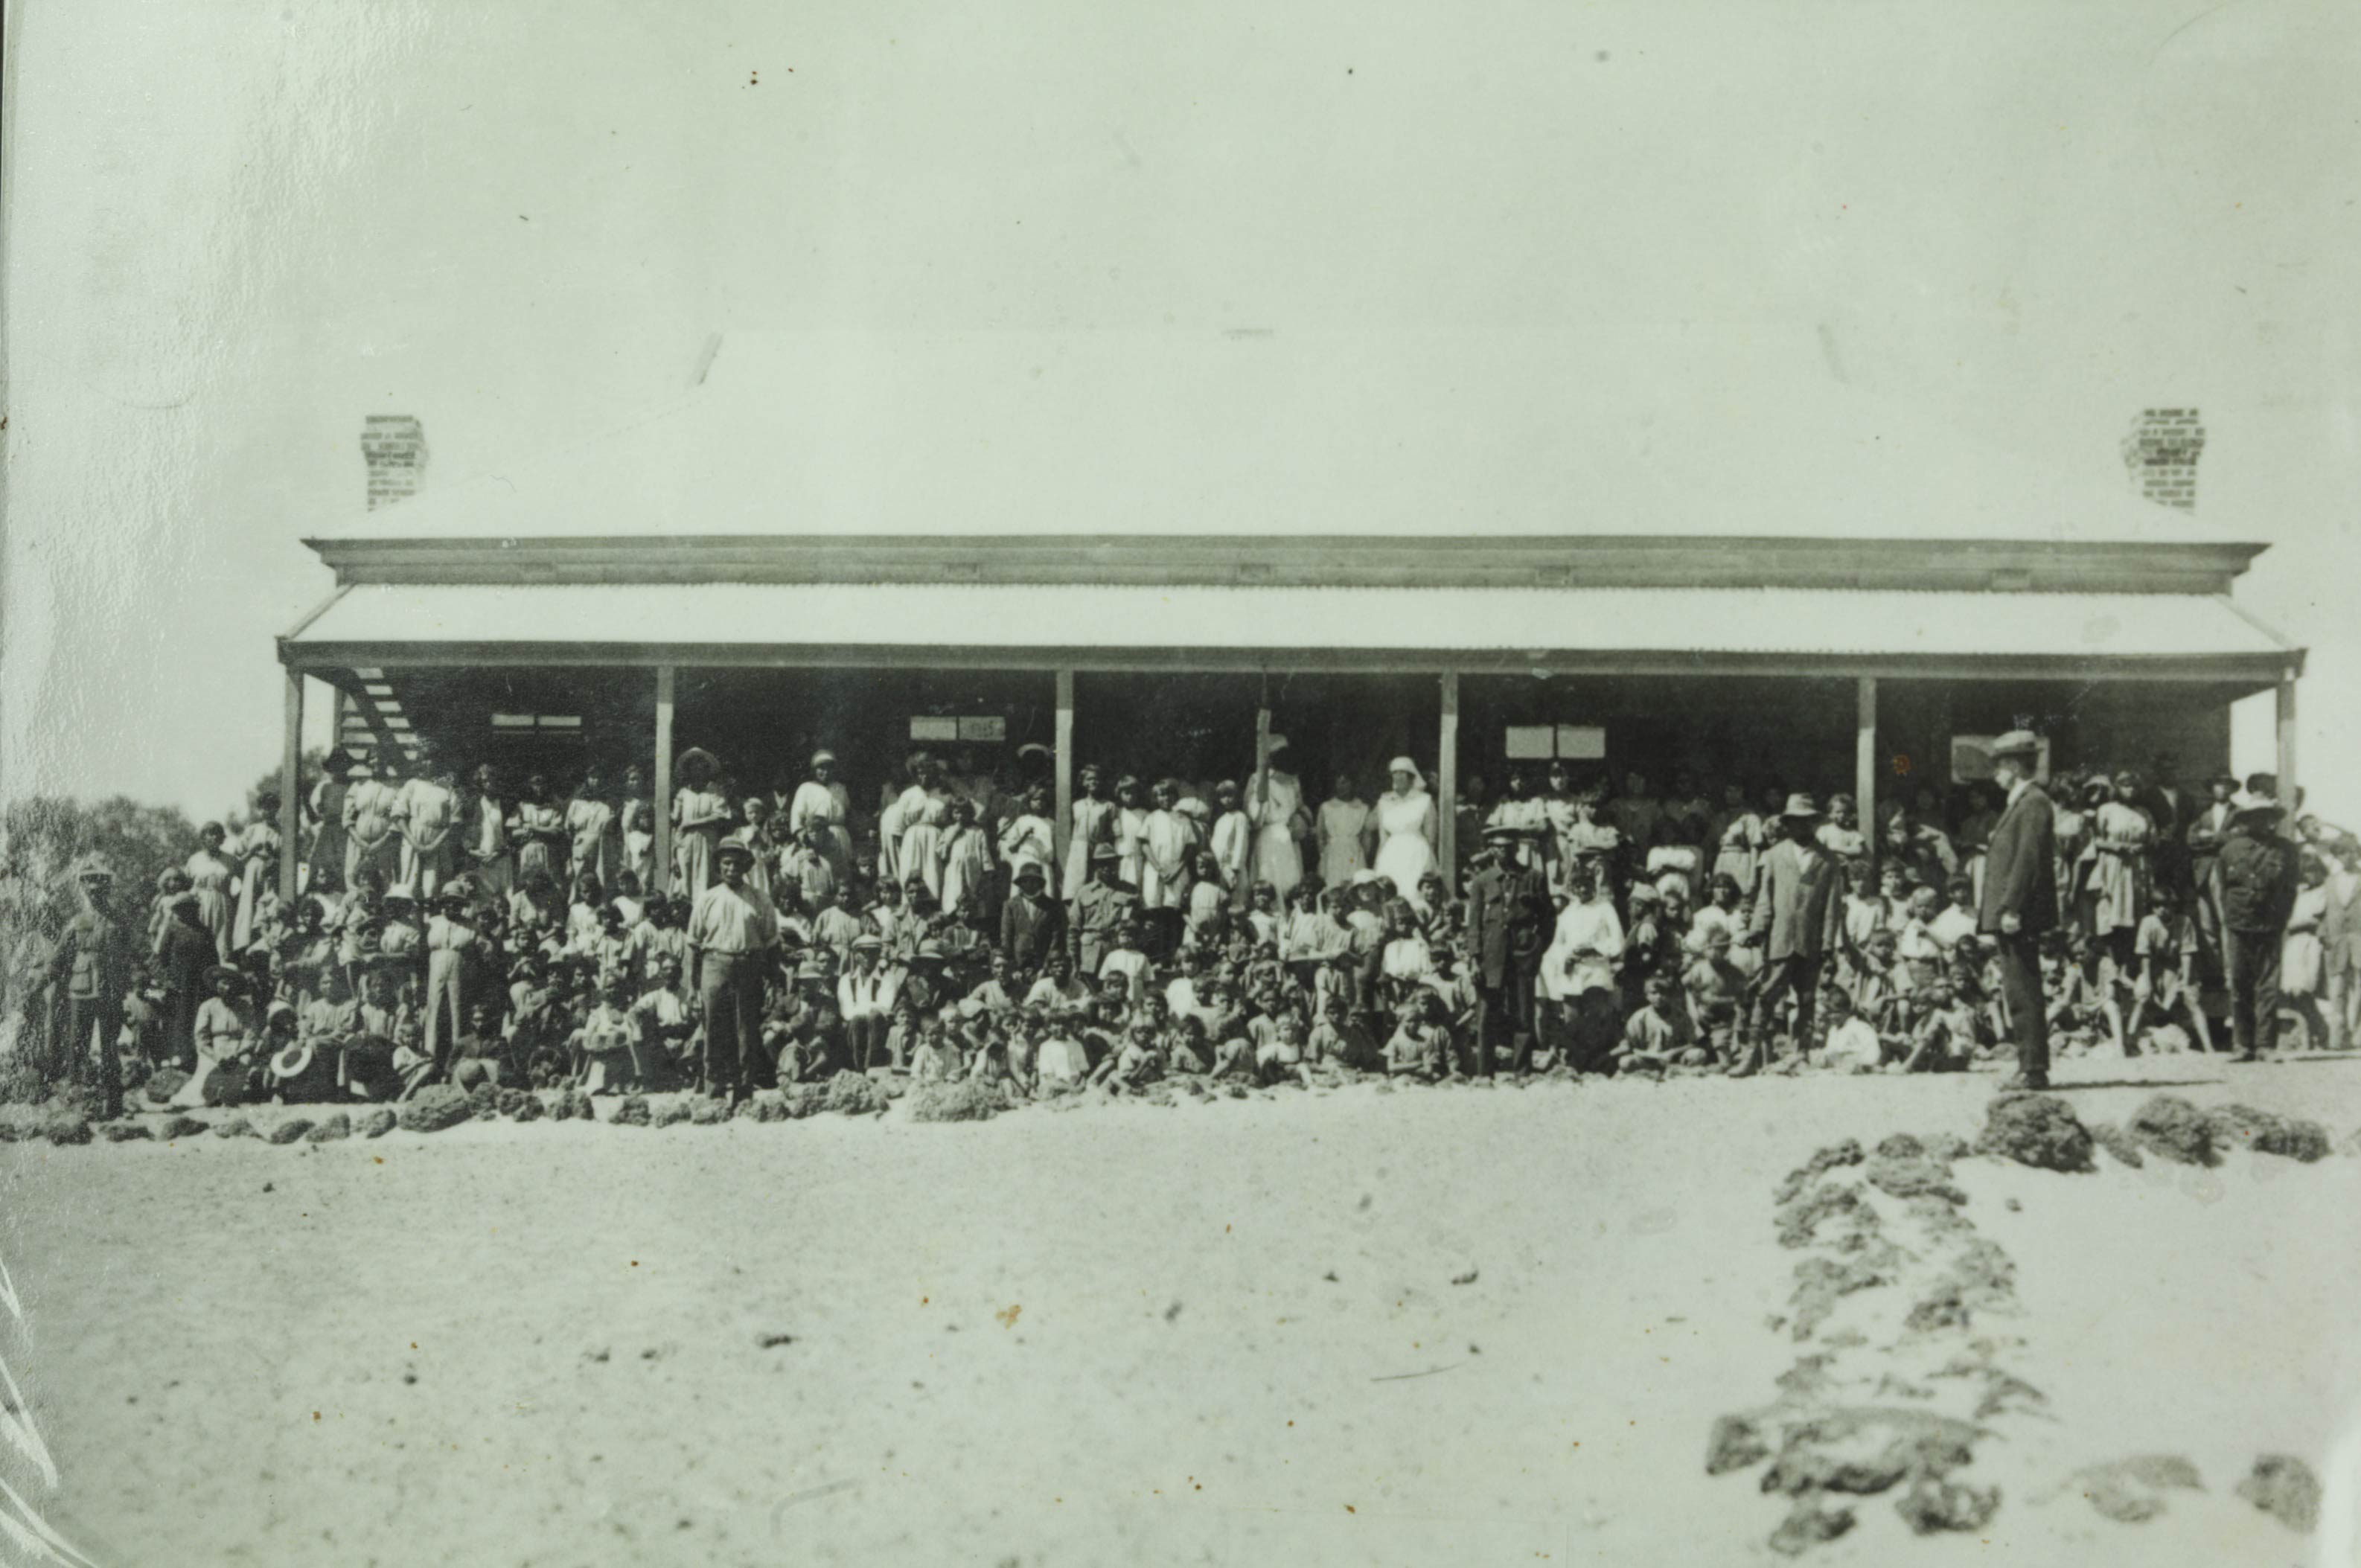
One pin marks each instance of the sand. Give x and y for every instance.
(1225, 1332)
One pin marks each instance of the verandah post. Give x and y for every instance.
(290, 793)
(660, 873)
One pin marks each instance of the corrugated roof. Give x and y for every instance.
(1344, 435)
(1846, 623)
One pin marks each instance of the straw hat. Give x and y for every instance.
(291, 1062)
(1800, 806)
(822, 755)
(696, 759)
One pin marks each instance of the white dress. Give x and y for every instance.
(1341, 856)
(1406, 830)
(1273, 811)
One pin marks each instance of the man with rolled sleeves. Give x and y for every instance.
(1509, 927)
(2020, 899)
(92, 968)
(1796, 914)
(734, 934)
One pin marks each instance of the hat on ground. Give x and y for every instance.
(1101, 853)
(2248, 803)
(734, 846)
(822, 755)
(697, 760)
(2015, 743)
(292, 1062)
(1800, 806)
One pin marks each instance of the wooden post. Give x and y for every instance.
(1864, 762)
(1446, 769)
(2287, 753)
(1062, 829)
(660, 807)
(291, 793)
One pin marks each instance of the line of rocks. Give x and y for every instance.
(1903, 1304)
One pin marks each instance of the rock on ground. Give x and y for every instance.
(435, 1107)
(1734, 1445)
(290, 1129)
(175, 1128)
(2127, 1490)
(236, 1127)
(2038, 1130)
(1826, 1159)
(2171, 1128)
(1933, 1505)
(632, 1113)
(2119, 1142)
(962, 1101)
(1807, 1526)
(336, 1126)
(2243, 1126)
(2284, 1487)
(125, 1132)
(379, 1123)
(854, 1094)
(666, 1114)
(709, 1112)
(163, 1083)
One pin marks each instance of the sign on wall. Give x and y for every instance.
(1582, 743)
(932, 729)
(1574, 742)
(1972, 759)
(992, 728)
(1531, 741)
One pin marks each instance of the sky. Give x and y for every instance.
(234, 230)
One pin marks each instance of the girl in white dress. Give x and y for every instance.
(213, 876)
(1343, 822)
(1405, 826)
(1094, 824)
(1274, 803)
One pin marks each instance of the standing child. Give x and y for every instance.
(2166, 954)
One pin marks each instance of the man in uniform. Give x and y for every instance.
(92, 963)
(1508, 926)
(1102, 909)
(733, 932)
(2261, 874)
(1795, 915)
(2020, 899)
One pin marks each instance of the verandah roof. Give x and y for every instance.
(1896, 631)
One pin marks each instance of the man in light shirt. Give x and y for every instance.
(734, 933)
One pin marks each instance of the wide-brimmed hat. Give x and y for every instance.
(2015, 743)
(696, 757)
(291, 1062)
(868, 942)
(1031, 871)
(733, 846)
(214, 973)
(815, 969)
(1800, 806)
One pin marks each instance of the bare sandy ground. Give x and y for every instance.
(1230, 1332)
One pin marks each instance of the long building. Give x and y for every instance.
(1826, 604)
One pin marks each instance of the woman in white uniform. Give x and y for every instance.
(1405, 824)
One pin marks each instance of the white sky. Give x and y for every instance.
(234, 229)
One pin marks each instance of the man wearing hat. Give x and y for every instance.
(1102, 909)
(1032, 924)
(734, 933)
(1796, 914)
(92, 968)
(2261, 874)
(2020, 898)
(1509, 927)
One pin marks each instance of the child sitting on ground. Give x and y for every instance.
(937, 1061)
(2164, 987)
(1420, 1046)
(1061, 1062)
(1133, 1067)
(1935, 1042)
(1338, 1039)
(607, 1044)
(1853, 1044)
(1658, 1035)
(1282, 1056)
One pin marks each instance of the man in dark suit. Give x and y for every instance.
(2021, 899)
(1509, 927)
(1796, 920)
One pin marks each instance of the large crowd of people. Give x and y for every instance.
(511, 930)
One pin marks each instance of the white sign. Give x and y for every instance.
(1530, 739)
(991, 729)
(934, 730)
(1581, 742)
